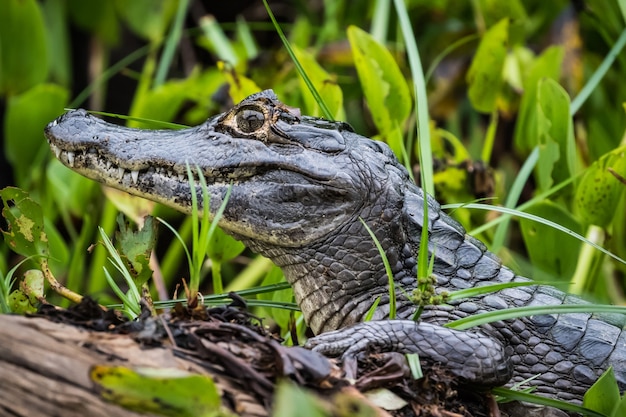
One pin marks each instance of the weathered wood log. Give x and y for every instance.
(45, 369)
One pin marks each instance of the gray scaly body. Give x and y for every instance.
(299, 187)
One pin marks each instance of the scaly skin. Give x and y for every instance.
(299, 187)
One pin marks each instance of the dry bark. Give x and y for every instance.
(45, 369)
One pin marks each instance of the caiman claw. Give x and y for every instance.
(474, 357)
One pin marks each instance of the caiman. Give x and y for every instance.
(300, 186)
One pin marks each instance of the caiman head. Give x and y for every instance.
(299, 186)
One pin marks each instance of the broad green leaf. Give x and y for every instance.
(25, 234)
(325, 84)
(167, 392)
(23, 53)
(147, 18)
(161, 103)
(547, 65)
(485, 74)
(223, 247)
(620, 409)
(292, 400)
(603, 395)
(58, 41)
(135, 248)
(552, 253)
(555, 132)
(495, 10)
(26, 117)
(599, 190)
(384, 85)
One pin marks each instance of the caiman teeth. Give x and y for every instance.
(57, 150)
(70, 159)
(81, 158)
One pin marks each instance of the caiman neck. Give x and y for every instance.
(337, 280)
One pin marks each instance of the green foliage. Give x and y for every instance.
(600, 189)
(485, 75)
(135, 247)
(26, 116)
(550, 81)
(291, 400)
(384, 87)
(165, 392)
(604, 396)
(23, 54)
(25, 234)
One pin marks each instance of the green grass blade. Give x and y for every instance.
(421, 101)
(383, 255)
(318, 98)
(380, 20)
(487, 289)
(156, 123)
(372, 310)
(454, 45)
(527, 311)
(513, 197)
(108, 73)
(537, 219)
(171, 43)
(180, 239)
(549, 402)
(521, 207)
(598, 74)
(221, 44)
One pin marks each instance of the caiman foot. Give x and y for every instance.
(474, 357)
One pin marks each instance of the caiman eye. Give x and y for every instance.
(250, 119)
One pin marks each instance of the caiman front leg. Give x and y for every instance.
(472, 356)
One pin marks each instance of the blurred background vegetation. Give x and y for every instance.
(503, 83)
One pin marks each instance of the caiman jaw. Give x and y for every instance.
(142, 162)
(273, 160)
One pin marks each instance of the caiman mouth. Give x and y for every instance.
(154, 163)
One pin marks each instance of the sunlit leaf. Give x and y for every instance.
(384, 85)
(240, 86)
(599, 190)
(223, 247)
(555, 133)
(603, 394)
(291, 400)
(162, 391)
(325, 84)
(485, 74)
(546, 65)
